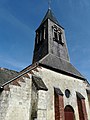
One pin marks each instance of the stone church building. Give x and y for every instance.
(51, 88)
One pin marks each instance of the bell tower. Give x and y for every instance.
(50, 39)
(41, 42)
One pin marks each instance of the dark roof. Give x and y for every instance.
(88, 89)
(56, 63)
(50, 15)
(39, 83)
(58, 91)
(79, 95)
(6, 75)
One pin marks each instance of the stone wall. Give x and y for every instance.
(23, 101)
(34, 101)
(63, 82)
(42, 105)
(16, 103)
(4, 103)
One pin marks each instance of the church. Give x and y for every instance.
(51, 88)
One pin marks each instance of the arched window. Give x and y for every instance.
(41, 35)
(55, 34)
(59, 36)
(44, 32)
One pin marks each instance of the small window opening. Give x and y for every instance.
(60, 36)
(40, 35)
(67, 93)
(44, 34)
(55, 35)
(37, 37)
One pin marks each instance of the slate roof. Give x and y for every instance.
(6, 75)
(58, 91)
(39, 83)
(79, 95)
(57, 63)
(50, 15)
(88, 89)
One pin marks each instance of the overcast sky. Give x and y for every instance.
(20, 18)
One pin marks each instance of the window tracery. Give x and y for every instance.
(57, 35)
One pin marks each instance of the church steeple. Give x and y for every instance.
(50, 47)
(50, 39)
(50, 15)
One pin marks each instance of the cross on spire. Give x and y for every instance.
(49, 4)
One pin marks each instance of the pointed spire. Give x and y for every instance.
(50, 15)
